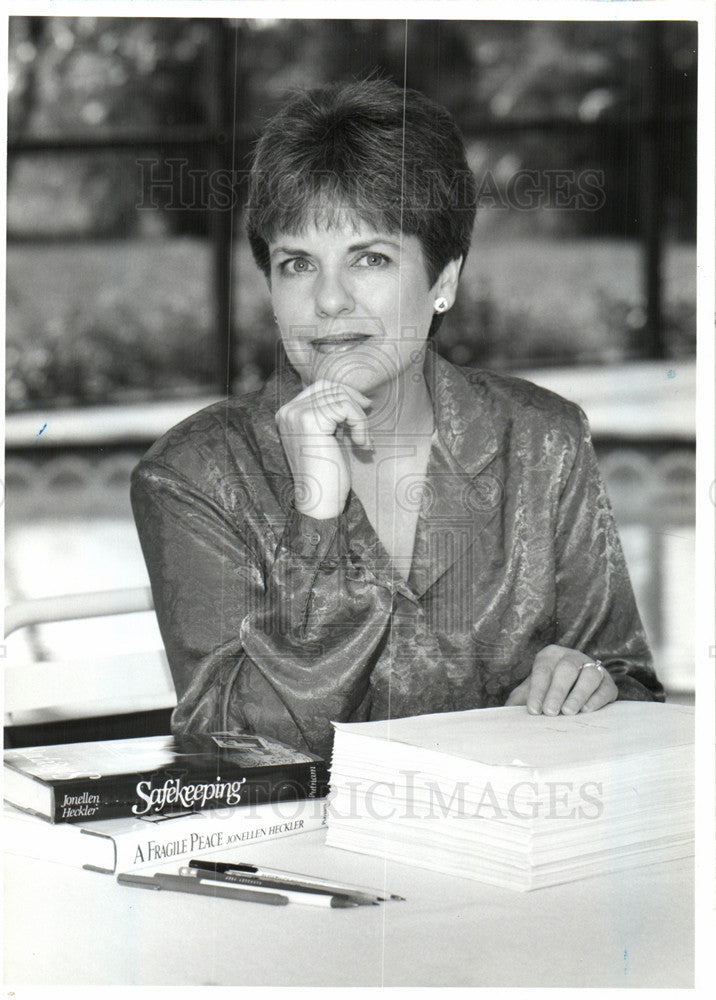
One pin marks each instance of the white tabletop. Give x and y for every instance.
(66, 926)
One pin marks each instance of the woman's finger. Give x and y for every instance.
(542, 677)
(344, 411)
(324, 386)
(605, 693)
(539, 683)
(563, 678)
(364, 401)
(518, 695)
(344, 405)
(588, 681)
(540, 680)
(320, 410)
(322, 393)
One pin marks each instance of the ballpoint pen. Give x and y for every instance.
(271, 876)
(291, 889)
(214, 887)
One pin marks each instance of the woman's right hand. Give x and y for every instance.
(307, 426)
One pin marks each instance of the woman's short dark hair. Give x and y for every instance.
(389, 156)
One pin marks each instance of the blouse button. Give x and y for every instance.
(314, 538)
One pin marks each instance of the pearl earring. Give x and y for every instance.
(441, 304)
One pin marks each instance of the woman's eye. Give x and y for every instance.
(295, 265)
(372, 260)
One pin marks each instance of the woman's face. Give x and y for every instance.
(353, 305)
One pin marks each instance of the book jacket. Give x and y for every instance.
(146, 776)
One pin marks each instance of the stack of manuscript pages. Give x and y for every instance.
(518, 800)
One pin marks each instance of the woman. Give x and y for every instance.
(378, 533)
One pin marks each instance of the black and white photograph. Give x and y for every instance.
(359, 415)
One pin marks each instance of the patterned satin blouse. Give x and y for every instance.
(277, 623)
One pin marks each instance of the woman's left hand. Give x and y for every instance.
(564, 680)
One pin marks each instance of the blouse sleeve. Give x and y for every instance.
(597, 612)
(280, 648)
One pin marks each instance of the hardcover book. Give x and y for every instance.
(158, 775)
(120, 845)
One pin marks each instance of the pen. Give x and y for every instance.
(178, 883)
(207, 871)
(271, 875)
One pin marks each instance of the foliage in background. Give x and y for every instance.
(118, 306)
(70, 75)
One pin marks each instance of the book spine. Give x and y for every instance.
(81, 800)
(173, 840)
